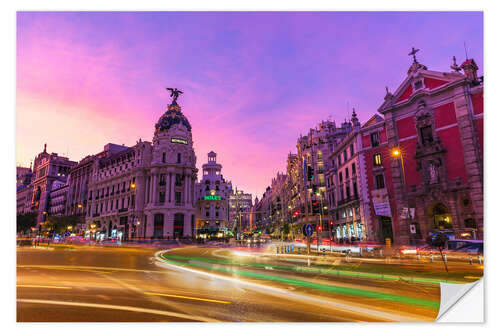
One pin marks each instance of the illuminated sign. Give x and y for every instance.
(175, 140)
(211, 197)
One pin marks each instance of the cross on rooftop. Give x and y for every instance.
(413, 52)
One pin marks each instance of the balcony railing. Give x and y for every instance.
(121, 210)
(347, 200)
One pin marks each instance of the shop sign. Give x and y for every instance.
(381, 205)
(175, 140)
(211, 197)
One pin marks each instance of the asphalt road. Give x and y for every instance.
(96, 284)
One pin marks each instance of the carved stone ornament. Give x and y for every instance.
(423, 115)
(433, 173)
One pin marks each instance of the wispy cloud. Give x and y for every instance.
(252, 81)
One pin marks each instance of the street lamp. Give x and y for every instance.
(398, 154)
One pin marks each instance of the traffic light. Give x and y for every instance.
(296, 213)
(310, 173)
(314, 189)
(319, 227)
(315, 207)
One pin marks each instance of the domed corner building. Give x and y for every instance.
(147, 190)
(169, 209)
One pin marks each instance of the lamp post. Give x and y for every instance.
(133, 187)
(398, 154)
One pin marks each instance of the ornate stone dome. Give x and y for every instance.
(171, 117)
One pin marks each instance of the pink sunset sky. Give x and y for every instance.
(252, 82)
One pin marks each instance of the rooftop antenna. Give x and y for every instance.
(465, 48)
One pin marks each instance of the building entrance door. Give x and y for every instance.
(178, 225)
(158, 226)
(386, 228)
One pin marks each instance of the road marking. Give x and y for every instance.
(119, 307)
(188, 297)
(38, 286)
(69, 267)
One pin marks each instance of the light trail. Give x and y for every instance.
(39, 286)
(119, 307)
(347, 307)
(430, 304)
(336, 271)
(188, 297)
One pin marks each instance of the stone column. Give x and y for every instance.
(400, 226)
(170, 186)
(186, 191)
(154, 187)
(150, 225)
(471, 152)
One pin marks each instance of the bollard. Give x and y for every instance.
(432, 258)
(479, 260)
(444, 257)
(381, 253)
(470, 260)
(277, 250)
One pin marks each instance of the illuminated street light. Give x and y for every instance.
(79, 206)
(132, 185)
(397, 153)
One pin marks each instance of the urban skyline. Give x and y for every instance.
(243, 93)
(248, 166)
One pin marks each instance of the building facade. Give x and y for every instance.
(58, 196)
(240, 204)
(212, 200)
(435, 132)
(147, 190)
(47, 169)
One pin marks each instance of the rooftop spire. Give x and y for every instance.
(354, 118)
(45, 148)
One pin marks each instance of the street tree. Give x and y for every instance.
(25, 222)
(438, 241)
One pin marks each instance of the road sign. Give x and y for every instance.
(309, 230)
